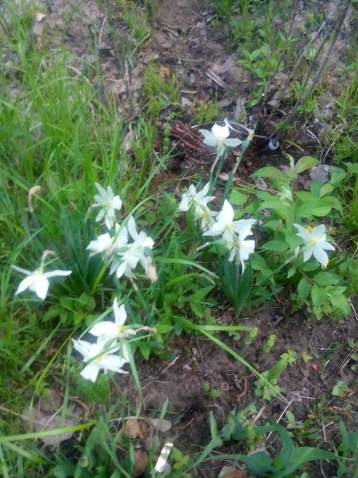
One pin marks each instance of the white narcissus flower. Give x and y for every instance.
(107, 245)
(109, 204)
(37, 281)
(135, 252)
(226, 225)
(199, 200)
(112, 330)
(315, 242)
(218, 137)
(99, 358)
(241, 249)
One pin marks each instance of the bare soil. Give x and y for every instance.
(200, 362)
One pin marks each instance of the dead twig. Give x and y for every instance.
(304, 95)
(190, 138)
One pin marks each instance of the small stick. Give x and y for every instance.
(322, 67)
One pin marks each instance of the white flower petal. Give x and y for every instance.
(201, 194)
(57, 273)
(101, 190)
(211, 142)
(120, 313)
(221, 132)
(307, 254)
(23, 271)
(103, 243)
(320, 255)
(83, 347)
(117, 202)
(232, 142)
(109, 221)
(90, 372)
(121, 269)
(208, 134)
(104, 328)
(25, 284)
(319, 232)
(114, 363)
(243, 227)
(40, 286)
(227, 213)
(327, 246)
(215, 230)
(100, 215)
(302, 232)
(132, 228)
(185, 202)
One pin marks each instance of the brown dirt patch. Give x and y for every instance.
(199, 363)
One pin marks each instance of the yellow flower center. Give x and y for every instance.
(311, 243)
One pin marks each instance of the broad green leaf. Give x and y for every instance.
(304, 196)
(340, 388)
(213, 426)
(327, 278)
(258, 262)
(314, 207)
(325, 189)
(281, 208)
(163, 328)
(197, 308)
(237, 198)
(291, 418)
(342, 303)
(177, 455)
(238, 213)
(264, 195)
(303, 289)
(273, 225)
(150, 217)
(144, 349)
(318, 295)
(255, 54)
(337, 174)
(304, 163)
(335, 290)
(333, 202)
(316, 189)
(291, 272)
(305, 453)
(310, 266)
(201, 293)
(276, 245)
(270, 172)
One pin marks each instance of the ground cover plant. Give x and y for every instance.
(178, 231)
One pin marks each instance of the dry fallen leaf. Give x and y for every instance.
(38, 26)
(320, 173)
(133, 428)
(129, 140)
(161, 425)
(140, 462)
(185, 102)
(261, 184)
(47, 415)
(231, 472)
